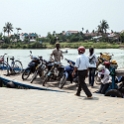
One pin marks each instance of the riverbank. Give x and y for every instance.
(99, 45)
(46, 45)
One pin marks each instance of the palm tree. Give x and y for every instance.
(18, 33)
(87, 31)
(93, 31)
(82, 30)
(54, 33)
(99, 30)
(104, 26)
(9, 28)
(4, 30)
(112, 31)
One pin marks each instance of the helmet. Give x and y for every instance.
(81, 49)
(101, 67)
(106, 63)
(113, 62)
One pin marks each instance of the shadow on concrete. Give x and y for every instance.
(85, 98)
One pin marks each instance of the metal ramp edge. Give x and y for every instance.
(26, 86)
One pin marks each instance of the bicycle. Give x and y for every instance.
(3, 63)
(16, 66)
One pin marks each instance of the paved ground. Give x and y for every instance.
(48, 107)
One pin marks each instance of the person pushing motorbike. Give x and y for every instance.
(57, 53)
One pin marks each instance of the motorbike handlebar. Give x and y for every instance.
(70, 62)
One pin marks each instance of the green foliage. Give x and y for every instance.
(122, 37)
(1, 36)
(6, 40)
(51, 38)
(8, 28)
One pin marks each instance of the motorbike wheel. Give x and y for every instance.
(46, 78)
(62, 82)
(26, 74)
(34, 76)
(114, 93)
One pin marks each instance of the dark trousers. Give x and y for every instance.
(91, 76)
(103, 88)
(82, 75)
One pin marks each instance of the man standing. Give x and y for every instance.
(57, 53)
(92, 66)
(81, 65)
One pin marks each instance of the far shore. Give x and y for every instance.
(64, 45)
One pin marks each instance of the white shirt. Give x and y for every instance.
(107, 78)
(92, 61)
(82, 62)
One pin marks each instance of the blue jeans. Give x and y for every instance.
(91, 76)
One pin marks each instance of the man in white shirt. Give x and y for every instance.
(82, 65)
(104, 75)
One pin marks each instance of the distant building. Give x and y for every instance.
(122, 31)
(90, 34)
(31, 36)
(96, 38)
(71, 32)
(113, 37)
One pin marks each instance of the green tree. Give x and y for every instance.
(1, 36)
(52, 39)
(26, 40)
(9, 28)
(122, 37)
(82, 29)
(4, 30)
(104, 26)
(99, 30)
(93, 31)
(87, 31)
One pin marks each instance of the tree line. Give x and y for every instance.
(53, 37)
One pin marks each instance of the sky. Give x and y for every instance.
(43, 16)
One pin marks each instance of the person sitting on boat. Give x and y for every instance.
(105, 78)
(57, 53)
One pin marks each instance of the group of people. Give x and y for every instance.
(86, 66)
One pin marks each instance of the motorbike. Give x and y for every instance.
(119, 90)
(40, 69)
(67, 75)
(105, 59)
(31, 66)
(54, 71)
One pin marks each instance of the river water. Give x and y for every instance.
(23, 55)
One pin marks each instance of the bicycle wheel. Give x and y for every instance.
(4, 66)
(18, 68)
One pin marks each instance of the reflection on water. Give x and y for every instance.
(23, 55)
